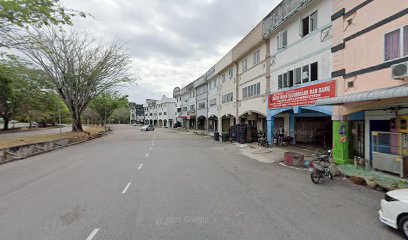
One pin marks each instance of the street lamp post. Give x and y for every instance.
(59, 116)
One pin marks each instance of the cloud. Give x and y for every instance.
(172, 42)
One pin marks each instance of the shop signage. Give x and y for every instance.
(302, 96)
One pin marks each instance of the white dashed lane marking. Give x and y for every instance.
(126, 188)
(93, 233)
(141, 165)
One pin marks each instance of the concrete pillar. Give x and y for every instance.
(219, 122)
(340, 150)
(270, 126)
(292, 128)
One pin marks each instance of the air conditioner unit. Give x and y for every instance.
(400, 70)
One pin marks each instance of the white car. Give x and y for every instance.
(147, 128)
(394, 210)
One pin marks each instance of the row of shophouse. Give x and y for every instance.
(331, 73)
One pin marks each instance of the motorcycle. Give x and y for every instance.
(262, 141)
(320, 167)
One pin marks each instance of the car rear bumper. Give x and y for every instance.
(386, 221)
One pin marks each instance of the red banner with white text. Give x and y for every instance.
(302, 96)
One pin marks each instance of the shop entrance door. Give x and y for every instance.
(317, 131)
(356, 143)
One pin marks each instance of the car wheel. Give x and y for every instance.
(403, 226)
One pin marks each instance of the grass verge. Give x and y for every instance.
(74, 137)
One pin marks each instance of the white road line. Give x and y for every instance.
(141, 165)
(93, 233)
(150, 149)
(147, 155)
(126, 188)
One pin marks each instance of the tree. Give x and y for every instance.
(78, 67)
(106, 103)
(18, 14)
(121, 115)
(24, 93)
(12, 89)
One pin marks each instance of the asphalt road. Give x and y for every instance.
(172, 185)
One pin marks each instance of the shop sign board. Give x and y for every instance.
(302, 96)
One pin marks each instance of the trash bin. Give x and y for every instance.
(216, 136)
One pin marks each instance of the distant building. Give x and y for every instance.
(137, 114)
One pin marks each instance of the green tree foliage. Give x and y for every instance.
(121, 115)
(17, 14)
(24, 94)
(10, 97)
(106, 103)
(78, 67)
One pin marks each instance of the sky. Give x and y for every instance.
(171, 42)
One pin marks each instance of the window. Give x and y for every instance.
(227, 98)
(285, 80)
(201, 105)
(223, 77)
(160, 113)
(308, 24)
(313, 21)
(305, 26)
(392, 45)
(184, 109)
(280, 85)
(396, 44)
(298, 76)
(213, 102)
(290, 78)
(165, 113)
(305, 74)
(231, 73)
(252, 90)
(257, 57)
(313, 72)
(244, 65)
(282, 39)
(192, 108)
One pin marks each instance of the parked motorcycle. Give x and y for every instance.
(320, 167)
(262, 141)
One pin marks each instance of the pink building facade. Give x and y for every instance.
(370, 50)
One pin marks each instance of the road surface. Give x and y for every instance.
(169, 185)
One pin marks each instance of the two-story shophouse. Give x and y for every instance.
(252, 90)
(300, 35)
(370, 56)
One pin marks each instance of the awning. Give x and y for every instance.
(378, 94)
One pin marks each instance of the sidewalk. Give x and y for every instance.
(374, 178)
(270, 155)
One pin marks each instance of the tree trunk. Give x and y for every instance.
(6, 123)
(76, 123)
